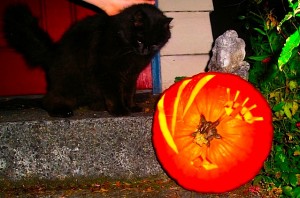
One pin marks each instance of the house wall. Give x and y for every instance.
(187, 52)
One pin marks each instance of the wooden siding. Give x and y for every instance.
(187, 52)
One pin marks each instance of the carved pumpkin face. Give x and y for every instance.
(212, 132)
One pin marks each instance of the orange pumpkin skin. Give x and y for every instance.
(228, 108)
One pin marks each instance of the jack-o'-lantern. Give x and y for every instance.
(212, 132)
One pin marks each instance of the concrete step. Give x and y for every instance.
(90, 144)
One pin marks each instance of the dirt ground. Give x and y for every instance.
(152, 188)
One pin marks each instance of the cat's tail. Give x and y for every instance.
(22, 31)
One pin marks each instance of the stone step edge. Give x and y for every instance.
(58, 149)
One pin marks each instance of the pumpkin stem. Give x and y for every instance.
(206, 132)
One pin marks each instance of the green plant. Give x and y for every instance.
(275, 70)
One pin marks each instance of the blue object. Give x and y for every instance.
(156, 72)
(156, 75)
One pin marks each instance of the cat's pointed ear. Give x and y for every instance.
(167, 22)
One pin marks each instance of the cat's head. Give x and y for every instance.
(144, 28)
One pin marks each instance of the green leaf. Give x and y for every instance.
(285, 178)
(295, 6)
(275, 40)
(257, 18)
(282, 157)
(267, 179)
(179, 78)
(257, 180)
(295, 108)
(286, 17)
(291, 192)
(242, 17)
(291, 42)
(287, 109)
(296, 192)
(278, 106)
(278, 149)
(258, 58)
(293, 85)
(260, 31)
(287, 190)
(293, 180)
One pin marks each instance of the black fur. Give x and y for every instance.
(96, 62)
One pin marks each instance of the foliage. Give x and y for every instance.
(179, 78)
(275, 70)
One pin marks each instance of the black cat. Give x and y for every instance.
(96, 62)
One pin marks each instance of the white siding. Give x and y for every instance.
(187, 52)
(185, 5)
(191, 34)
(184, 65)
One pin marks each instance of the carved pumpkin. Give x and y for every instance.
(212, 132)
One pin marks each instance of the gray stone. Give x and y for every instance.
(95, 145)
(228, 55)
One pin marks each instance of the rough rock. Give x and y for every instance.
(228, 55)
(35, 145)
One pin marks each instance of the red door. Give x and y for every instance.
(16, 78)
